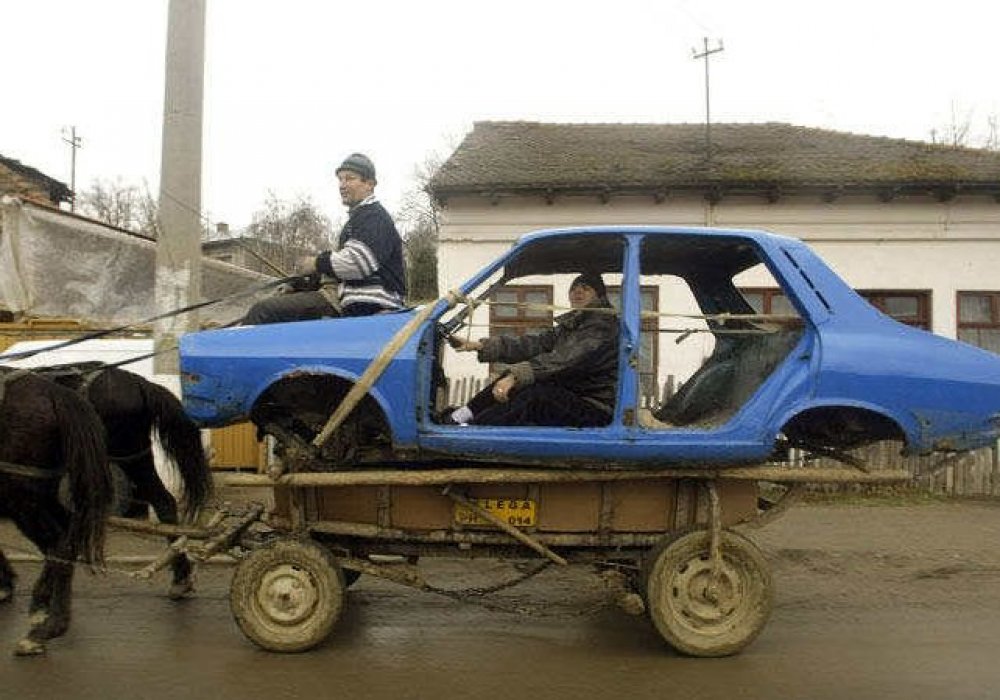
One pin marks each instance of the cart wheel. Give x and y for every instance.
(700, 613)
(287, 596)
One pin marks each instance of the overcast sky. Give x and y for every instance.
(294, 86)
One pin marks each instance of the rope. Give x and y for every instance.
(360, 388)
(721, 318)
(677, 331)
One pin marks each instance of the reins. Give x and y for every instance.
(176, 312)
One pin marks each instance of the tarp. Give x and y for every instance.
(53, 263)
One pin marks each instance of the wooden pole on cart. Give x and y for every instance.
(375, 369)
(505, 526)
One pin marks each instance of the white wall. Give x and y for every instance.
(909, 243)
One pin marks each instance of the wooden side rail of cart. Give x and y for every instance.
(390, 503)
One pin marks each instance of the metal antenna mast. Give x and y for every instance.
(74, 142)
(705, 53)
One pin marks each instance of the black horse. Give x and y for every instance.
(131, 407)
(47, 432)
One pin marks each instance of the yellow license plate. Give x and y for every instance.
(519, 512)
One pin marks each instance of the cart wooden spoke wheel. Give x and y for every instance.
(288, 595)
(705, 605)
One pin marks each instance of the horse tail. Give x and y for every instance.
(85, 456)
(181, 440)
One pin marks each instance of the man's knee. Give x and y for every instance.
(298, 306)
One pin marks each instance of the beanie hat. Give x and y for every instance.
(359, 163)
(594, 281)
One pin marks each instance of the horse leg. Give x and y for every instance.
(50, 597)
(7, 577)
(149, 488)
(50, 611)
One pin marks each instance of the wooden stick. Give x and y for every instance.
(506, 527)
(490, 474)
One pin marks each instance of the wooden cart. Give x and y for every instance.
(674, 536)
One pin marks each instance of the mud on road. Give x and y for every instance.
(886, 601)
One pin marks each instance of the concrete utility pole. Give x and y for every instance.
(74, 142)
(178, 249)
(706, 52)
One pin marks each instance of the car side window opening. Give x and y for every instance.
(527, 296)
(710, 360)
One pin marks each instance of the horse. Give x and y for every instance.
(47, 432)
(131, 407)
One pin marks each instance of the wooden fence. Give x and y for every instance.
(975, 473)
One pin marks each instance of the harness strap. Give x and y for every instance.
(30, 472)
(132, 457)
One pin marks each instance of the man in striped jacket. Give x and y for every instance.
(367, 266)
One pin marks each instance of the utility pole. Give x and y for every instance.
(178, 248)
(74, 142)
(705, 53)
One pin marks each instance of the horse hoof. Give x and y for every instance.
(181, 589)
(29, 647)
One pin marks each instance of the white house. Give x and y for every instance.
(914, 227)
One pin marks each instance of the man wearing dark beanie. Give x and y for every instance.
(367, 265)
(567, 375)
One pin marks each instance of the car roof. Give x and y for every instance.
(675, 250)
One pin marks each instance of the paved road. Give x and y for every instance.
(888, 602)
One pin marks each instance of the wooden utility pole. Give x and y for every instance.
(705, 53)
(178, 248)
(75, 142)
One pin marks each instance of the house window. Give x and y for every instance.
(520, 309)
(765, 300)
(649, 335)
(911, 308)
(979, 319)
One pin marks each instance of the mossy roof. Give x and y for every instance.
(507, 157)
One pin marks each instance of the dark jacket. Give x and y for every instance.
(579, 354)
(368, 261)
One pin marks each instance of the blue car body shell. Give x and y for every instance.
(940, 393)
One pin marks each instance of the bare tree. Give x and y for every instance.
(992, 140)
(287, 230)
(956, 132)
(959, 132)
(419, 218)
(126, 206)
